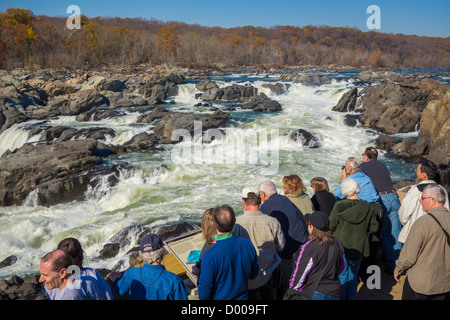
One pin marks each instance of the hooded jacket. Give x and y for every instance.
(351, 221)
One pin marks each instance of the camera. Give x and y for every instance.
(343, 167)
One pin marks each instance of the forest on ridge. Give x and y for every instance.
(33, 41)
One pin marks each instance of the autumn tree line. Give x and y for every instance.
(28, 41)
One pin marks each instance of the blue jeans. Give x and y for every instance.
(321, 296)
(390, 228)
(349, 279)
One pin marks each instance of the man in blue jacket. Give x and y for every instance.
(368, 191)
(229, 264)
(151, 281)
(292, 224)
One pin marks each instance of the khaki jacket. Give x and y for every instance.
(266, 236)
(425, 256)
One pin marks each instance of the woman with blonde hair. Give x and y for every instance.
(294, 189)
(207, 231)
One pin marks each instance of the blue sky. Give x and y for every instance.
(423, 18)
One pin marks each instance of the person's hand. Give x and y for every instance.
(344, 174)
(396, 276)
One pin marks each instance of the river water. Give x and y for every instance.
(195, 176)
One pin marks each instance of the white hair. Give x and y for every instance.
(354, 164)
(268, 187)
(152, 256)
(349, 187)
(436, 192)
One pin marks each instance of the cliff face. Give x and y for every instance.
(393, 107)
(434, 136)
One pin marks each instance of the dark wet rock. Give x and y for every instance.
(347, 103)
(262, 103)
(277, 88)
(148, 117)
(59, 171)
(385, 142)
(309, 79)
(8, 261)
(351, 120)
(206, 85)
(97, 115)
(184, 122)
(78, 102)
(306, 138)
(142, 142)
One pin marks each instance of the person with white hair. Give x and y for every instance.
(425, 256)
(351, 221)
(367, 189)
(292, 224)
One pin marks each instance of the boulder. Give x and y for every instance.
(8, 261)
(212, 94)
(238, 93)
(115, 85)
(149, 117)
(347, 103)
(309, 79)
(385, 142)
(262, 103)
(277, 88)
(110, 250)
(79, 102)
(142, 142)
(97, 115)
(58, 170)
(206, 85)
(185, 121)
(306, 138)
(351, 120)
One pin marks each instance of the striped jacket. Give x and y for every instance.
(310, 259)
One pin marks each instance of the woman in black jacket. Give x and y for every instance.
(323, 199)
(310, 262)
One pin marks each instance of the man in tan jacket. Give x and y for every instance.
(268, 239)
(425, 256)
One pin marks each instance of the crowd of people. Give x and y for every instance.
(292, 246)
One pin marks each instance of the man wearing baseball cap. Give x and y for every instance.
(151, 281)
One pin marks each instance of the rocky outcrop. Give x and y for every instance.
(186, 121)
(142, 142)
(309, 79)
(262, 103)
(306, 138)
(233, 93)
(59, 172)
(277, 88)
(347, 103)
(406, 107)
(398, 108)
(53, 93)
(434, 136)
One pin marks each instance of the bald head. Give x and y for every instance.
(57, 259)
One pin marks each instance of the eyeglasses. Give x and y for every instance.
(422, 198)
